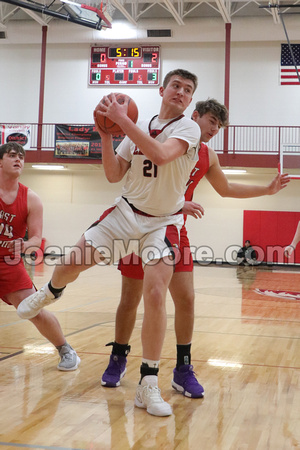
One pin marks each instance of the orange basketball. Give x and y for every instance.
(111, 127)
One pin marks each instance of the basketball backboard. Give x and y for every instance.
(86, 13)
(290, 160)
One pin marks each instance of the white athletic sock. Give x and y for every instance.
(151, 363)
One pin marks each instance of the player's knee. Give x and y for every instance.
(190, 300)
(130, 302)
(155, 297)
(185, 302)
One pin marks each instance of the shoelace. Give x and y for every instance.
(153, 392)
(36, 299)
(112, 370)
(191, 377)
(67, 356)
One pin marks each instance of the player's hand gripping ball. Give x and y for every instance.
(110, 127)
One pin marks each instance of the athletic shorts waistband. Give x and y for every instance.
(142, 213)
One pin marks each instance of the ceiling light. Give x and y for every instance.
(47, 167)
(121, 30)
(234, 171)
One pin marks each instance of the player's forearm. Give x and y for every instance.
(111, 164)
(236, 190)
(145, 143)
(296, 238)
(112, 169)
(32, 244)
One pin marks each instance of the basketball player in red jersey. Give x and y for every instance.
(20, 210)
(210, 115)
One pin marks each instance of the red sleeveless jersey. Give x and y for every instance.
(198, 172)
(13, 220)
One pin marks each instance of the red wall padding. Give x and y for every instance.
(269, 229)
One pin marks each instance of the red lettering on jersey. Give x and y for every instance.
(137, 151)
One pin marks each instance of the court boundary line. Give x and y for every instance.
(46, 447)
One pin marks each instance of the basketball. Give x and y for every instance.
(111, 127)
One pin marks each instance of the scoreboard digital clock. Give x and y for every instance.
(124, 52)
(124, 65)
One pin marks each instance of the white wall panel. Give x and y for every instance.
(72, 200)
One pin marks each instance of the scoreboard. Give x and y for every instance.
(138, 66)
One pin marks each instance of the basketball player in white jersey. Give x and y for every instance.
(157, 157)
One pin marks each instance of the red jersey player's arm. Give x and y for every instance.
(193, 209)
(219, 182)
(296, 239)
(34, 220)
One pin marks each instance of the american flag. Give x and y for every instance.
(288, 73)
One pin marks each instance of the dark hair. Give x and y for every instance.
(214, 107)
(181, 73)
(7, 148)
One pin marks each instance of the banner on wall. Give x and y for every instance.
(79, 141)
(16, 133)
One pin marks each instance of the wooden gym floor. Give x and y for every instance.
(245, 353)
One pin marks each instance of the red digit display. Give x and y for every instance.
(154, 57)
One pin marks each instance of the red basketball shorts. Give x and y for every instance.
(13, 278)
(131, 265)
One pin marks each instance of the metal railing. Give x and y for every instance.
(242, 139)
(256, 139)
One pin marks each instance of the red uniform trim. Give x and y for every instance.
(102, 217)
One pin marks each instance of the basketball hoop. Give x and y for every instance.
(100, 14)
(88, 16)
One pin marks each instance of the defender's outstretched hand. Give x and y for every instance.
(288, 251)
(16, 247)
(278, 183)
(193, 209)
